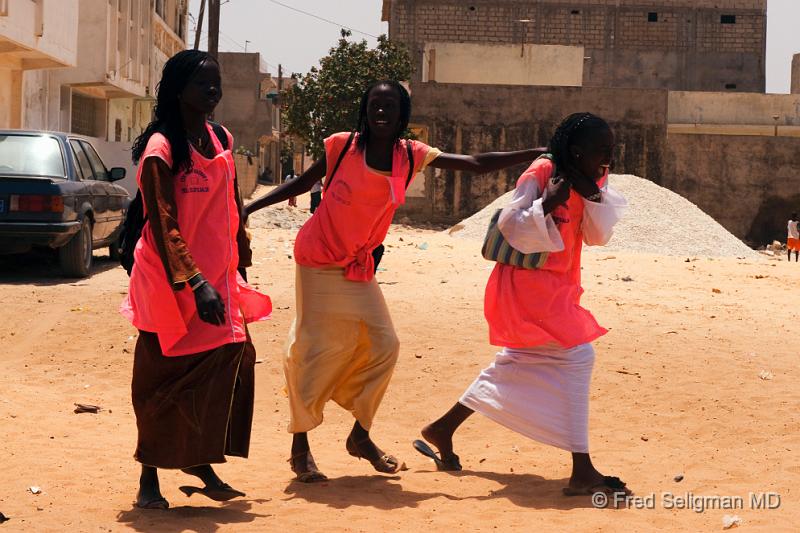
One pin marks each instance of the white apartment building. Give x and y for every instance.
(34, 35)
(108, 94)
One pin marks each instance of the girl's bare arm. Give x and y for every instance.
(296, 187)
(486, 162)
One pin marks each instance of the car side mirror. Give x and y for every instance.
(116, 174)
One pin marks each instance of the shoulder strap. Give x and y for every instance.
(219, 131)
(339, 161)
(552, 159)
(410, 163)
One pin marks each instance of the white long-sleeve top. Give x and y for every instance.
(525, 226)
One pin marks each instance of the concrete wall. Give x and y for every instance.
(118, 155)
(476, 118)
(796, 74)
(686, 47)
(246, 175)
(734, 108)
(10, 89)
(751, 185)
(503, 64)
(242, 110)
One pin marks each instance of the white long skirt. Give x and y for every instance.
(541, 392)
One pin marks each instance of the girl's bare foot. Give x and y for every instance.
(441, 438)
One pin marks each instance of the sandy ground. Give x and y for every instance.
(676, 390)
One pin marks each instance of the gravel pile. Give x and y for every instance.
(281, 216)
(277, 216)
(657, 221)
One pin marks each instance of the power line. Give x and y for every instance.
(323, 19)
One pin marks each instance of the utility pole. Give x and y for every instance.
(199, 24)
(213, 28)
(279, 103)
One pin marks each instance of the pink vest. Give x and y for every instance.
(208, 219)
(356, 210)
(527, 308)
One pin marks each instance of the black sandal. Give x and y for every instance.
(385, 464)
(311, 473)
(220, 493)
(159, 503)
(451, 464)
(610, 485)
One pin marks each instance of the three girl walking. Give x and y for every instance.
(193, 368)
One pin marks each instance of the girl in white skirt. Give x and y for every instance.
(538, 384)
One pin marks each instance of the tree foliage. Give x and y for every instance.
(326, 100)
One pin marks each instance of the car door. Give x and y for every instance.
(115, 195)
(99, 197)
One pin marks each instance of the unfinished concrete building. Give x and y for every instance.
(689, 45)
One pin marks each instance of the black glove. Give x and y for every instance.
(210, 306)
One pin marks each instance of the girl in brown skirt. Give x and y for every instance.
(193, 377)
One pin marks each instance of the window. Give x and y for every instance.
(652, 17)
(576, 12)
(100, 171)
(84, 115)
(31, 155)
(730, 85)
(83, 161)
(728, 19)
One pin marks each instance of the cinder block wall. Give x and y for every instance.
(700, 45)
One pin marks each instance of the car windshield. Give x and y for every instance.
(31, 155)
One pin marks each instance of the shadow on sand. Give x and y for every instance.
(385, 493)
(187, 518)
(41, 268)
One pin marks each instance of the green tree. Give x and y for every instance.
(326, 100)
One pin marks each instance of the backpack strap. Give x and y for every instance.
(347, 145)
(339, 161)
(410, 163)
(221, 134)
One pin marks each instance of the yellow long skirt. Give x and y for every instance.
(342, 346)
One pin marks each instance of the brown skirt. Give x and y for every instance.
(194, 409)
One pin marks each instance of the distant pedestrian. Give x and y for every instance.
(793, 239)
(316, 196)
(193, 366)
(289, 177)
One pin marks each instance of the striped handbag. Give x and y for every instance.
(496, 248)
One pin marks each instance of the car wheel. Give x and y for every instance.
(75, 257)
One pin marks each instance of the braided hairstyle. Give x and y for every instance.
(405, 112)
(575, 129)
(178, 72)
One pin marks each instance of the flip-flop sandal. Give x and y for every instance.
(159, 504)
(609, 485)
(451, 464)
(312, 473)
(221, 493)
(385, 464)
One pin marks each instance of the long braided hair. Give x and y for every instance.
(575, 129)
(178, 72)
(405, 112)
